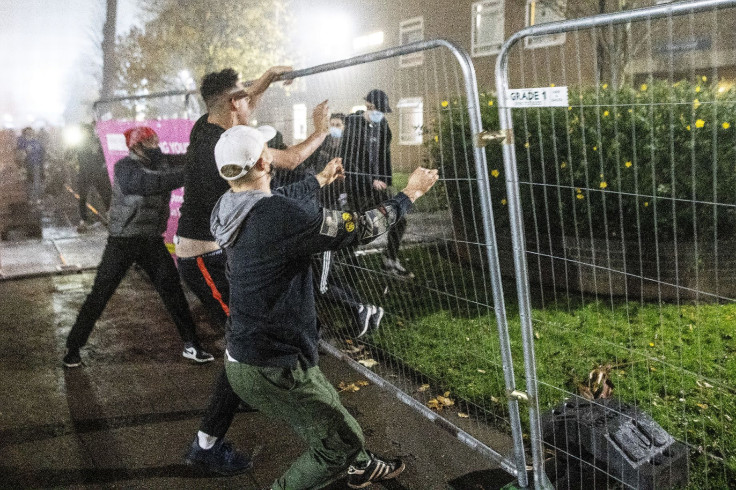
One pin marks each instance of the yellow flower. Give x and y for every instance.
(628, 164)
(603, 185)
(696, 104)
(726, 125)
(699, 123)
(490, 102)
(631, 110)
(495, 173)
(445, 103)
(551, 84)
(643, 87)
(697, 89)
(569, 108)
(601, 176)
(605, 114)
(595, 148)
(563, 165)
(579, 196)
(651, 344)
(646, 204)
(704, 78)
(579, 190)
(436, 138)
(503, 202)
(605, 86)
(688, 127)
(526, 145)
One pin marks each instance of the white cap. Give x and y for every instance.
(241, 146)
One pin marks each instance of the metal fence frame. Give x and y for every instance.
(513, 188)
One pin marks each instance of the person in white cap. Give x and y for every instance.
(201, 261)
(271, 356)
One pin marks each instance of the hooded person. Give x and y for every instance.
(139, 212)
(271, 355)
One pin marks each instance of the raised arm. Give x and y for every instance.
(291, 157)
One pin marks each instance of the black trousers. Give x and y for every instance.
(120, 253)
(205, 275)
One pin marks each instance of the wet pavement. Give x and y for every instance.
(125, 418)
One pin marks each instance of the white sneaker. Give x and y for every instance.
(196, 354)
(365, 312)
(394, 267)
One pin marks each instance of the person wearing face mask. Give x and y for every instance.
(366, 154)
(139, 212)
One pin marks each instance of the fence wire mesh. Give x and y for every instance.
(626, 195)
(431, 331)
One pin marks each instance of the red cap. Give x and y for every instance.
(133, 136)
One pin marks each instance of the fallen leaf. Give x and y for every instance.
(423, 388)
(348, 341)
(434, 404)
(350, 388)
(537, 336)
(447, 402)
(463, 415)
(369, 363)
(703, 384)
(704, 406)
(481, 371)
(494, 399)
(362, 382)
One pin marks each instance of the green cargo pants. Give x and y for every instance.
(309, 403)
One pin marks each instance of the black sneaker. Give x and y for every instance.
(222, 458)
(376, 317)
(365, 312)
(72, 358)
(196, 354)
(376, 470)
(394, 267)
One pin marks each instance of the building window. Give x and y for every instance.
(411, 120)
(487, 31)
(541, 12)
(411, 30)
(300, 122)
(368, 42)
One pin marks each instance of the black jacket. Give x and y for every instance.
(140, 197)
(269, 240)
(360, 171)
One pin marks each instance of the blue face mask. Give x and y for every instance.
(335, 132)
(376, 116)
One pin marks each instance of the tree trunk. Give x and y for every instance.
(108, 50)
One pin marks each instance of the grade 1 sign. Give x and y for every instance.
(537, 97)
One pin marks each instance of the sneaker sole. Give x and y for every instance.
(390, 476)
(377, 323)
(208, 469)
(72, 365)
(366, 326)
(195, 359)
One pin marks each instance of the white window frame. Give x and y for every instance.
(543, 11)
(411, 30)
(478, 49)
(300, 122)
(413, 107)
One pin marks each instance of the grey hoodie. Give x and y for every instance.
(230, 212)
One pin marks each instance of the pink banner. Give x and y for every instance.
(173, 135)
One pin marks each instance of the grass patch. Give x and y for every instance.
(675, 362)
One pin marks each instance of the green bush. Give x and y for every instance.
(657, 160)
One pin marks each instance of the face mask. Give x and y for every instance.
(335, 132)
(376, 116)
(154, 155)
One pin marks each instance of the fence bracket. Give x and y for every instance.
(505, 137)
(518, 395)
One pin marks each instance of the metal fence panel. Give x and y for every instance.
(621, 212)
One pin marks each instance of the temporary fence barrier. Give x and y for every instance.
(618, 169)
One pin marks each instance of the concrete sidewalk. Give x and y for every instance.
(126, 417)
